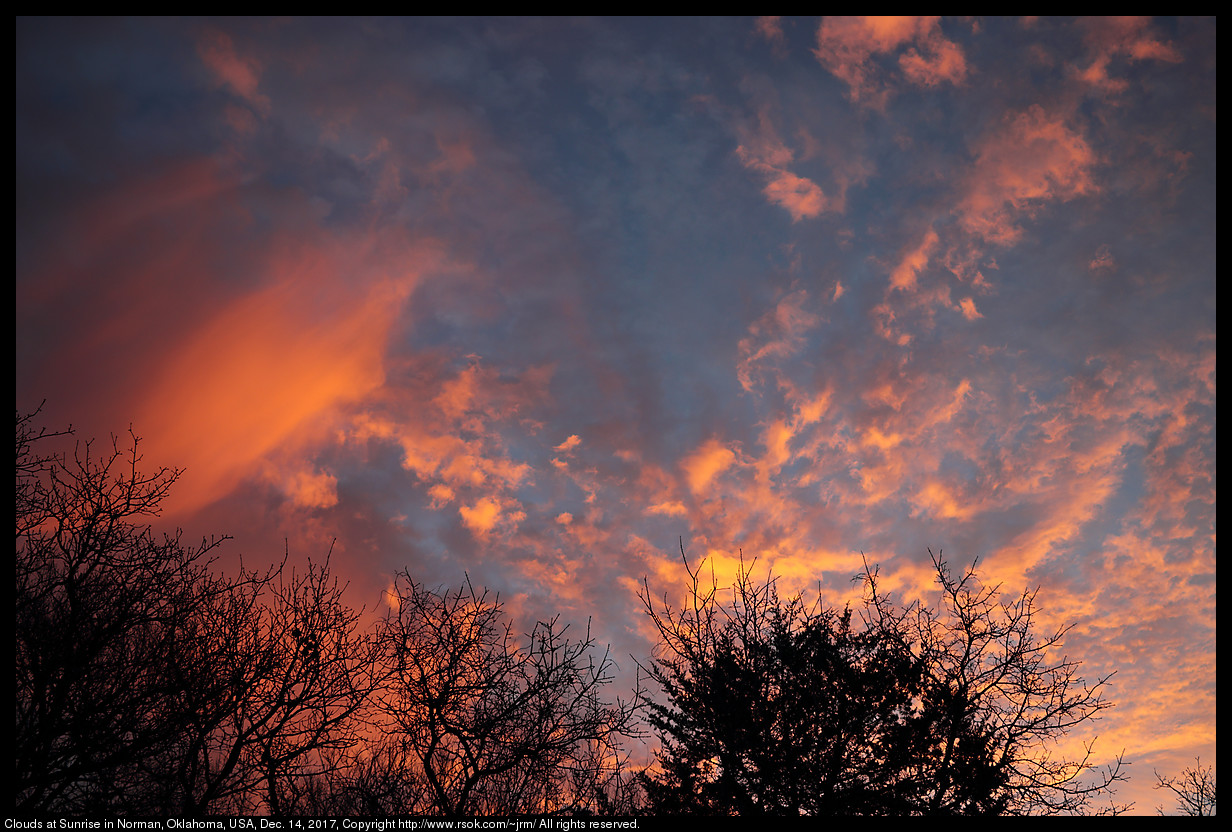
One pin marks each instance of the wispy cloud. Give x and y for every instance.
(764, 152)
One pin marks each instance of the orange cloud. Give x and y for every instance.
(967, 306)
(775, 335)
(706, 463)
(672, 508)
(441, 495)
(450, 425)
(848, 47)
(274, 365)
(904, 275)
(1130, 38)
(916, 292)
(1033, 159)
(482, 517)
(569, 444)
(763, 151)
(941, 61)
(307, 488)
(801, 197)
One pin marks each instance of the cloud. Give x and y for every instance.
(273, 366)
(801, 197)
(706, 463)
(852, 48)
(777, 334)
(453, 438)
(923, 283)
(770, 27)
(569, 444)
(940, 62)
(904, 275)
(967, 306)
(306, 488)
(1103, 261)
(1110, 38)
(1033, 159)
(241, 74)
(482, 517)
(672, 508)
(764, 152)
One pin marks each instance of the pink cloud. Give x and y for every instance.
(904, 275)
(1033, 159)
(242, 74)
(770, 27)
(850, 48)
(1130, 38)
(1103, 260)
(763, 151)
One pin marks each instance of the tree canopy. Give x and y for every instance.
(774, 706)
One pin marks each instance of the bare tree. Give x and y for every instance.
(289, 673)
(482, 722)
(1194, 790)
(100, 601)
(148, 683)
(1008, 682)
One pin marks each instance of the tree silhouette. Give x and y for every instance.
(1004, 680)
(100, 602)
(780, 707)
(147, 683)
(1194, 790)
(481, 722)
(277, 674)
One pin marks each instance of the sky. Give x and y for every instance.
(541, 301)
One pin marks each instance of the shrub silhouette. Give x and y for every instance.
(773, 706)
